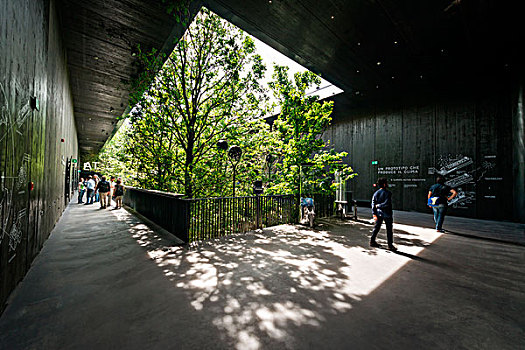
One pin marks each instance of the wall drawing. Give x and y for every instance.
(449, 164)
(22, 173)
(13, 124)
(15, 175)
(461, 174)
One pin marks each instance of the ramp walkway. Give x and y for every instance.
(106, 280)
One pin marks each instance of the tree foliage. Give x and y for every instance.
(206, 91)
(206, 88)
(304, 156)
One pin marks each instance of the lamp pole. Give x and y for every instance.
(235, 153)
(269, 161)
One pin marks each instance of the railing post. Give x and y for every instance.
(185, 218)
(257, 209)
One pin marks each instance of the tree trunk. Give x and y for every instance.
(188, 167)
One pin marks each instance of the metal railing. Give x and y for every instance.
(167, 210)
(217, 217)
(324, 205)
(200, 219)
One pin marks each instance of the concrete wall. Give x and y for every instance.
(416, 137)
(32, 63)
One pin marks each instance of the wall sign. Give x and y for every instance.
(88, 167)
(398, 170)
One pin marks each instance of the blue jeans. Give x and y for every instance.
(80, 195)
(90, 195)
(439, 215)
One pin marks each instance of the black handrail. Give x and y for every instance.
(201, 219)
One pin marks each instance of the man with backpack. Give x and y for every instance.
(103, 188)
(438, 197)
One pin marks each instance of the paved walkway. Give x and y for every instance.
(104, 280)
(493, 230)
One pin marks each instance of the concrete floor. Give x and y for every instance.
(503, 231)
(104, 280)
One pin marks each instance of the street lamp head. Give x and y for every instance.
(222, 145)
(235, 153)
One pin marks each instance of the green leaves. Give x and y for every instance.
(299, 129)
(208, 90)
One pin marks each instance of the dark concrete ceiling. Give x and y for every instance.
(386, 45)
(101, 38)
(370, 48)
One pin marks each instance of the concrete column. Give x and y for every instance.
(518, 138)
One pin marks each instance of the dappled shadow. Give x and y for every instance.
(260, 288)
(110, 281)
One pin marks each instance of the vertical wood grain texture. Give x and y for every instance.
(33, 63)
(418, 133)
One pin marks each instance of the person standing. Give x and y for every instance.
(382, 211)
(119, 192)
(81, 190)
(97, 194)
(90, 186)
(103, 188)
(111, 190)
(439, 195)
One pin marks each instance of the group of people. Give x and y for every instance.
(101, 190)
(439, 195)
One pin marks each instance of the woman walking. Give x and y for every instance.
(119, 192)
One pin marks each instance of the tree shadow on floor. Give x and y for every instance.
(258, 288)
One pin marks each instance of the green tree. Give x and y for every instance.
(303, 155)
(205, 90)
(114, 159)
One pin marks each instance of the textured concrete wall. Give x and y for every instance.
(518, 138)
(32, 63)
(417, 138)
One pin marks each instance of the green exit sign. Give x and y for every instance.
(73, 161)
(374, 162)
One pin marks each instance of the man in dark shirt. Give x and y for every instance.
(103, 188)
(382, 210)
(439, 193)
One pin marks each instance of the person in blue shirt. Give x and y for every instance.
(441, 195)
(382, 211)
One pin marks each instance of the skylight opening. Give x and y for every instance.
(271, 56)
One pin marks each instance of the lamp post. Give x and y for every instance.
(235, 153)
(269, 161)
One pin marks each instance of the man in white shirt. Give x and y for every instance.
(90, 186)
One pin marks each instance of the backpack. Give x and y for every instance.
(103, 186)
(119, 190)
(438, 196)
(434, 202)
